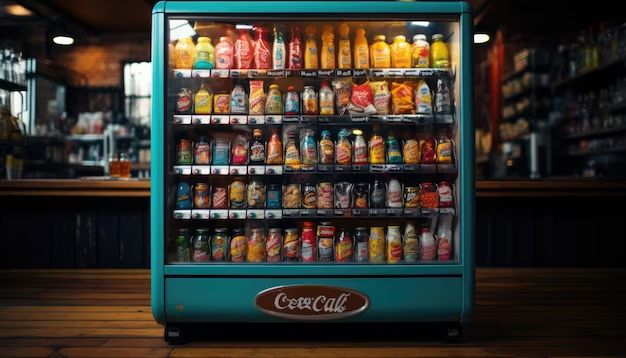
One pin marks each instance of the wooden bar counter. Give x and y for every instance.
(106, 223)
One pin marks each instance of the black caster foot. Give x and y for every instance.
(174, 334)
(453, 333)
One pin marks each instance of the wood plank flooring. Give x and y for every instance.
(519, 312)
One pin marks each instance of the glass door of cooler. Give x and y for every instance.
(312, 141)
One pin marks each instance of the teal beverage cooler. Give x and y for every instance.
(312, 161)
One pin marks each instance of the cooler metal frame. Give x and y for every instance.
(225, 292)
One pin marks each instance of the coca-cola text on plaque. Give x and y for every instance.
(311, 302)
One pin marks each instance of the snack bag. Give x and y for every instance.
(257, 97)
(402, 97)
(343, 90)
(381, 96)
(423, 98)
(362, 100)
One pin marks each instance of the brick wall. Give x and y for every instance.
(102, 63)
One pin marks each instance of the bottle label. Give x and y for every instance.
(361, 251)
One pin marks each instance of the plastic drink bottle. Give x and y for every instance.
(380, 53)
(311, 57)
(344, 57)
(184, 53)
(262, 56)
(421, 51)
(279, 54)
(243, 50)
(400, 53)
(295, 50)
(439, 56)
(205, 54)
(361, 50)
(328, 48)
(224, 53)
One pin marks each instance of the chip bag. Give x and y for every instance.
(257, 97)
(381, 96)
(402, 97)
(362, 100)
(343, 90)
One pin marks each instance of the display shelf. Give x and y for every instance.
(320, 169)
(182, 120)
(280, 214)
(579, 153)
(586, 73)
(84, 137)
(350, 73)
(596, 133)
(12, 86)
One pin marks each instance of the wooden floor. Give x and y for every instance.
(519, 312)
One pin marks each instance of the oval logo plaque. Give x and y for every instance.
(311, 302)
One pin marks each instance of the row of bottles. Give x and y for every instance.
(324, 243)
(340, 96)
(323, 195)
(349, 148)
(346, 53)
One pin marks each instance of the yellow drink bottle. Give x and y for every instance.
(185, 53)
(400, 52)
(439, 57)
(328, 48)
(344, 56)
(361, 50)
(203, 101)
(380, 53)
(311, 59)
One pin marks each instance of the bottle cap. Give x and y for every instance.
(419, 37)
(225, 38)
(204, 39)
(325, 133)
(274, 85)
(257, 132)
(379, 38)
(399, 38)
(437, 37)
(291, 88)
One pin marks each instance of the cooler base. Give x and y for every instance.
(200, 299)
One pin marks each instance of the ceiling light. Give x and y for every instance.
(243, 27)
(17, 10)
(63, 40)
(481, 38)
(420, 23)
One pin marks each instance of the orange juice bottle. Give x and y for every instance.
(328, 48)
(311, 60)
(439, 57)
(361, 50)
(380, 53)
(185, 53)
(400, 52)
(344, 57)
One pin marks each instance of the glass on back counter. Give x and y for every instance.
(312, 141)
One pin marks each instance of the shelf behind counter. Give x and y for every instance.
(141, 188)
